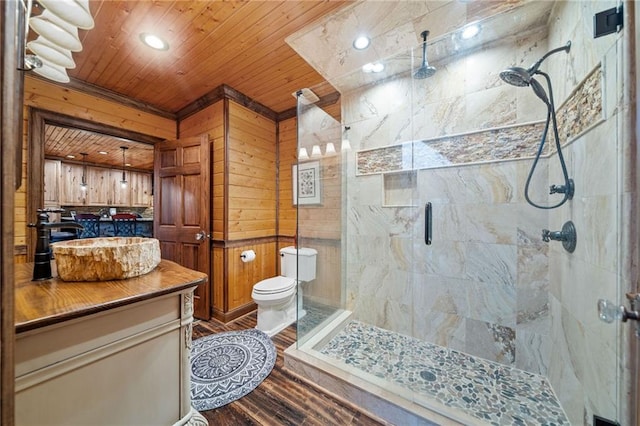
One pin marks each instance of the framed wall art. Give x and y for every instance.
(308, 175)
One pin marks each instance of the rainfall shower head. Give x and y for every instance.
(425, 70)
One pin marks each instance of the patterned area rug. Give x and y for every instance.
(227, 366)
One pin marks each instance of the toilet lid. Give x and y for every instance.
(274, 285)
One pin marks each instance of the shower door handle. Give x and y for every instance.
(427, 224)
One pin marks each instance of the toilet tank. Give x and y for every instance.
(306, 260)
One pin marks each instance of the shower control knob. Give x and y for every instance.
(567, 235)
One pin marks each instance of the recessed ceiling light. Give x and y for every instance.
(71, 156)
(373, 67)
(470, 31)
(154, 41)
(127, 164)
(103, 152)
(361, 43)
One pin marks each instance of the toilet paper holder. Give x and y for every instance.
(248, 255)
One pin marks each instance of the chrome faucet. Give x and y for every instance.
(42, 258)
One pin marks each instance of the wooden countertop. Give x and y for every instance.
(108, 219)
(42, 303)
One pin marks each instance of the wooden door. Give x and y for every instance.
(182, 208)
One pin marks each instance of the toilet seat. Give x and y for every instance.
(274, 285)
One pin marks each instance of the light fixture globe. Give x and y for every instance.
(52, 53)
(52, 71)
(56, 31)
(75, 12)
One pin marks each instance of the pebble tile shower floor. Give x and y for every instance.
(493, 393)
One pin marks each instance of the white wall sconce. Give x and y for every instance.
(330, 149)
(346, 145)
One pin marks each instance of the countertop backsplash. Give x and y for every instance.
(146, 212)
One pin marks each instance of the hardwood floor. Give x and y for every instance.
(282, 398)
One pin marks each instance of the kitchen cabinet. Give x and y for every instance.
(104, 187)
(71, 193)
(120, 195)
(51, 182)
(141, 189)
(99, 190)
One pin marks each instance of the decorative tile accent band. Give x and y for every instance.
(581, 110)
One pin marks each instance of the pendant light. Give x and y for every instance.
(83, 183)
(123, 182)
(57, 27)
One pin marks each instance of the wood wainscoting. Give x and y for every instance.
(233, 279)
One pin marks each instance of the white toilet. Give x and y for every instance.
(276, 297)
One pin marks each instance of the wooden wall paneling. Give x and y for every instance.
(51, 96)
(243, 276)
(287, 149)
(218, 288)
(219, 172)
(251, 174)
(225, 187)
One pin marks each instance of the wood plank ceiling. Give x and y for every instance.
(237, 43)
(68, 145)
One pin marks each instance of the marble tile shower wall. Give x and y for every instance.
(482, 286)
(584, 363)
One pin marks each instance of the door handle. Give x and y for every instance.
(609, 311)
(202, 235)
(427, 224)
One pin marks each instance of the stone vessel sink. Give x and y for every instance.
(102, 259)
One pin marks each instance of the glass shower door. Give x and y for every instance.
(317, 179)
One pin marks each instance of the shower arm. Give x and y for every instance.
(533, 69)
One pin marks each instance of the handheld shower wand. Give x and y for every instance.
(521, 77)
